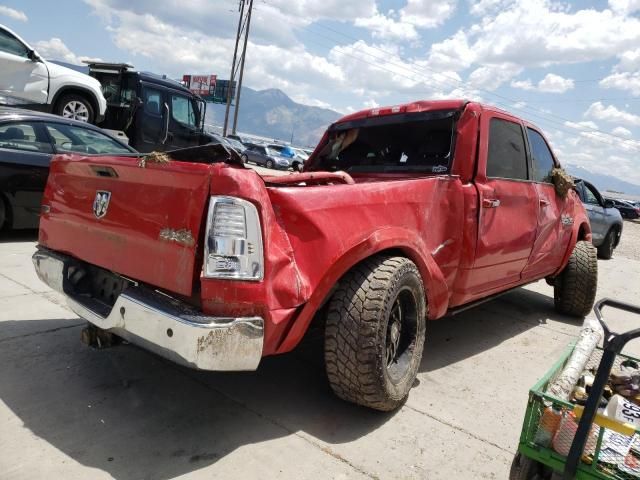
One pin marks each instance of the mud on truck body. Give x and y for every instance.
(403, 215)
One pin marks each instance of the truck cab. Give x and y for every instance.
(155, 113)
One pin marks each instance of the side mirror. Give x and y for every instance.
(33, 56)
(608, 204)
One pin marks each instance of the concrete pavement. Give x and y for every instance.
(67, 411)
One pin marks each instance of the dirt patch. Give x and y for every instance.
(629, 246)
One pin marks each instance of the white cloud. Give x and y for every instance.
(55, 49)
(624, 6)
(623, 81)
(543, 32)
(427, 13)
(454, 53)
(492, 76)
(386, 27)
(622, 132)
(611, 114)
(13, 13)
(629, 61)
(552, 83)
(523, 84)
(482, 7)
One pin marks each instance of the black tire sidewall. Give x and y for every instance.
(65, 99)
(405, 277)
(4, 214)
(606, 251)
(244, 158)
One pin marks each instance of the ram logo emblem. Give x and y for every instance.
(101, 203)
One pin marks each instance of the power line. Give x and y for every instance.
(460, 83)
(542, 115)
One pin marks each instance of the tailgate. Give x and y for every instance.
(143, 223)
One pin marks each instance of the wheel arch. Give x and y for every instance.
(435, 286)
(581, 232)
(74, 89)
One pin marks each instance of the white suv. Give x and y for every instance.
(27, 80)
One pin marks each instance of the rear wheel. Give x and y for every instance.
(3, 214)
(605, 250)
(75, 107)
(575, 288)
(374, 334)
(269, 164)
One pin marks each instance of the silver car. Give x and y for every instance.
(605, 219)
(264, 155)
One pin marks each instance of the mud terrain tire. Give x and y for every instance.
(575, 288)
(375, 331)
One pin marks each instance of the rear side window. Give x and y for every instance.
(82, 140)
(541, 156)
(506, 157)
(22, 136)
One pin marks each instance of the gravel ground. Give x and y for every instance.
(629, 246)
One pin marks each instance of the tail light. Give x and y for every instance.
(233, 246)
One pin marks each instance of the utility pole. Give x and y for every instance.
(244, 54)
(233, 68)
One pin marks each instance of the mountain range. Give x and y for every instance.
(271, 113)
(605, 183)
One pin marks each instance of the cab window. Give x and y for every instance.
(182, 110)
(506, 157)
(23, 136)
(10, 44)
(541, 157)
(152, 99)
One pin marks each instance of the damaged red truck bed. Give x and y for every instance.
(402, 214)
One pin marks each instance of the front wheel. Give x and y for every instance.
(375, 331)
(244, 159)
(575, 288)
(75, 107)
(269, 164)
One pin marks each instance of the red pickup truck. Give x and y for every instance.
(402, 215)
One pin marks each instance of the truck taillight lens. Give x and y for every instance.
(234, 240)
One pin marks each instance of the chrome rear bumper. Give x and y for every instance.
(161, 324)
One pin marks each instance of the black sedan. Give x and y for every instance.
(28, 140)
(626, 208)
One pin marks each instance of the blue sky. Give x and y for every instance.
(573, 68)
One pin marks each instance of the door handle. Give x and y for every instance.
(544, 203)
(490, 202)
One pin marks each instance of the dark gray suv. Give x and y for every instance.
(605, 219)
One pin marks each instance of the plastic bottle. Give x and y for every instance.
(548, 426)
